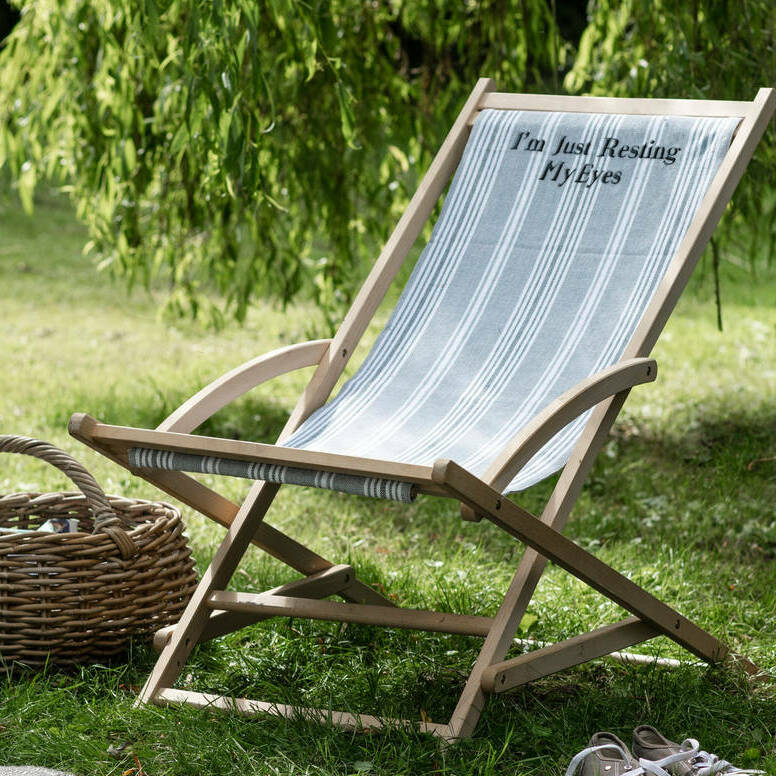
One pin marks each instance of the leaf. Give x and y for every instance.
(26, 187)
(347, 121)
(311, 58)
(131, 107)
(400, 157)
(130, 154)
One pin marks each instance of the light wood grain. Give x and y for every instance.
(541, 535)
(396, 617)
(240, 380)
(704, 223)
(569, 484)
(504, 676)
(196, 615)
(577, 561)
(247, 521)
(223, 511)
(567, 407)
(124, 437)
(329, 582)
(625, 105)
(392, 257)
(250, 708)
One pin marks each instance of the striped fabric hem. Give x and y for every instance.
(374, 487)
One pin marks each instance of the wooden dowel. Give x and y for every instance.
(251, 708)
(508, 674)
(364, 614)
(329, 582)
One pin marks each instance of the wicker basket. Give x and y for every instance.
(68, 598)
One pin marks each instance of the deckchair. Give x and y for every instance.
(570, 228)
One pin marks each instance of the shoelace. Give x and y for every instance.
(702, 763)
(644, 768)
(706, 764)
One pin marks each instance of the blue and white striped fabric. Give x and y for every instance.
(374, 487)
(553, 237)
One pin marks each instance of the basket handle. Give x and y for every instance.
(106, 519)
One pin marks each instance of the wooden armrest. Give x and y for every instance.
(240, 380)
(568, 406)
(119, 439)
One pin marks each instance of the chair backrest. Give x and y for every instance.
(556, 231)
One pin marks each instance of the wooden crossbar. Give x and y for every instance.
(124, 437)
(333, 580)
(509, 674)
(264, 604)
(250, 708)
(556, 103)
(223, 511)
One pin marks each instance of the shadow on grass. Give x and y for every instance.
(711, 486)
(145, 405)
(85, 723)
(366, 671)
(560, 713)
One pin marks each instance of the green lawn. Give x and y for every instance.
(682, 499)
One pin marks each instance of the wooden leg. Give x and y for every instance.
(505, 623)
(195, 616)
(529, 572)
(246, 525)
(271, 540)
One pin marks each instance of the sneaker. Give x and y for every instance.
(605, 755)
(685, 759)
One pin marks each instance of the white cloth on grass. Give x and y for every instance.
(29, 770)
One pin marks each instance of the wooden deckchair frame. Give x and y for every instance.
(213, 611)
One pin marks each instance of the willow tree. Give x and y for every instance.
(249, 147)
(240, 148)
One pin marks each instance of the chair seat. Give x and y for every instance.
(536, 275)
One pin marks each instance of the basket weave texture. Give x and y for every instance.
(79, 597)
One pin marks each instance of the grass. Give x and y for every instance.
(682, 499)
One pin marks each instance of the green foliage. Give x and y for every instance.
(681, 499)
(239, 149)
(244, 147)
(704, 49)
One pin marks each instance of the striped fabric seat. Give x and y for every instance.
(554, 235)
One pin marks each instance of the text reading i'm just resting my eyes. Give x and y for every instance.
(561, 172)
